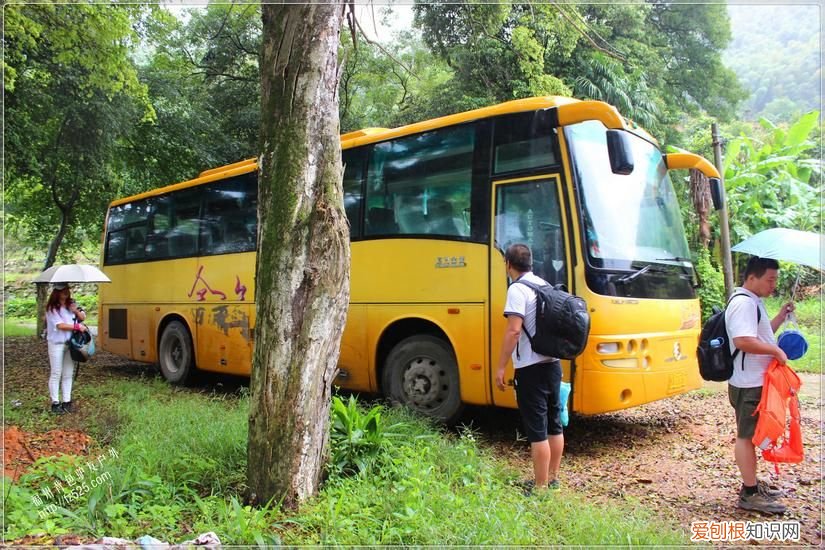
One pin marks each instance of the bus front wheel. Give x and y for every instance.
(175, 353)
(421, 373)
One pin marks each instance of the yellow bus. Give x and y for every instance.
(431, 207)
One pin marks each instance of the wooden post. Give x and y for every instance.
(727, 263)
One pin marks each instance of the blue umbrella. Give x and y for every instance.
(790, 245)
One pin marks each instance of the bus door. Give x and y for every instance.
(526, 210)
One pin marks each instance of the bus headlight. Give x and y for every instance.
(608, 347)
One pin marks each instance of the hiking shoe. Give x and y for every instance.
(554, 485)
(760, 503)
(527, 486)
(57, 408)
(764, 489)
(67, 406)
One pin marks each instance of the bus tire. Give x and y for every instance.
(175, 353)
(421, 373)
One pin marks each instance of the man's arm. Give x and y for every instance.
(508, 344)
(777, 321)
(751, 344)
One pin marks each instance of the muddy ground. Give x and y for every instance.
(673, 457)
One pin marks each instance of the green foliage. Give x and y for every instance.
(356, 438)
(809, 317)
(26, 306)
(772, 178)
(71, 94)
(654, 60)
(712, 289)
(21, 307)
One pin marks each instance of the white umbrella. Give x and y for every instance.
(799, 247)
(72, 273)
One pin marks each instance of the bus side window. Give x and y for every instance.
(160, 220)
(353, 195)
(135, 241)
(183, 237)
(381, 221)
(223, 227)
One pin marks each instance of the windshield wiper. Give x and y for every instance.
(632, 276)
(674, 259)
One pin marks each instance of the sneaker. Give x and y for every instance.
(526, 486)
(760, 503)
(766, 490)
(57, 409)
(67, 406)
(554, 485)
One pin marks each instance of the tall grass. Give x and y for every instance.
(180, 466)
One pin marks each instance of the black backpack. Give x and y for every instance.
(713, 352)
(562, 322)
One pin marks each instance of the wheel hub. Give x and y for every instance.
(422, 382)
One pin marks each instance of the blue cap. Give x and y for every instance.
(792, 343)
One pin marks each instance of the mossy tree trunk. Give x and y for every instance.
(302, 275)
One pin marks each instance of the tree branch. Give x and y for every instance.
(380, 47)
(585, 35)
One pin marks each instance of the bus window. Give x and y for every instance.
(529, 213)
(183, 237)
(420, 185)
(160, 221)
(524, 141)
(353, 195)
(229, 222)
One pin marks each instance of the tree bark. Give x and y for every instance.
(302, 275)
(700, 194)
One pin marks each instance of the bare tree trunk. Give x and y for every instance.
(51, 255)
(700, 194)
(302, 278)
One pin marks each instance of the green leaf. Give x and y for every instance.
(803, 128)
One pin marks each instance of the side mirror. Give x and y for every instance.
(620, 152)
(716, 193)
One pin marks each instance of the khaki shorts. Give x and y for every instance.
(744, 402)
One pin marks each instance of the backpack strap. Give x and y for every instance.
(758, 320)
(535, 288)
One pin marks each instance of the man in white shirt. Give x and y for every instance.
(750, 331)
(537, 377)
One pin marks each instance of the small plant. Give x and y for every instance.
(357, 438)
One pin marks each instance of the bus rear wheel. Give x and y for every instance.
(175, 353)
(421, 373)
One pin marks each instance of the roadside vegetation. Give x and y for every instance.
(392, 479)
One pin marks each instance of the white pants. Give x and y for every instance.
(62, 372)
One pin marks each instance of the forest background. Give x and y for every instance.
(107, 101)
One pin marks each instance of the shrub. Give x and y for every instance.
(712, 288)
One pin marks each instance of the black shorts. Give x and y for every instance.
(537, 393)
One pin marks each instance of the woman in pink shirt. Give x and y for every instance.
(62, 317)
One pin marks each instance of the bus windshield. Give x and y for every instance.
(627, 218)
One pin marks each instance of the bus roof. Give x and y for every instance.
(571, 111)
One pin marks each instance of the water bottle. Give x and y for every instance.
(716, 343)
